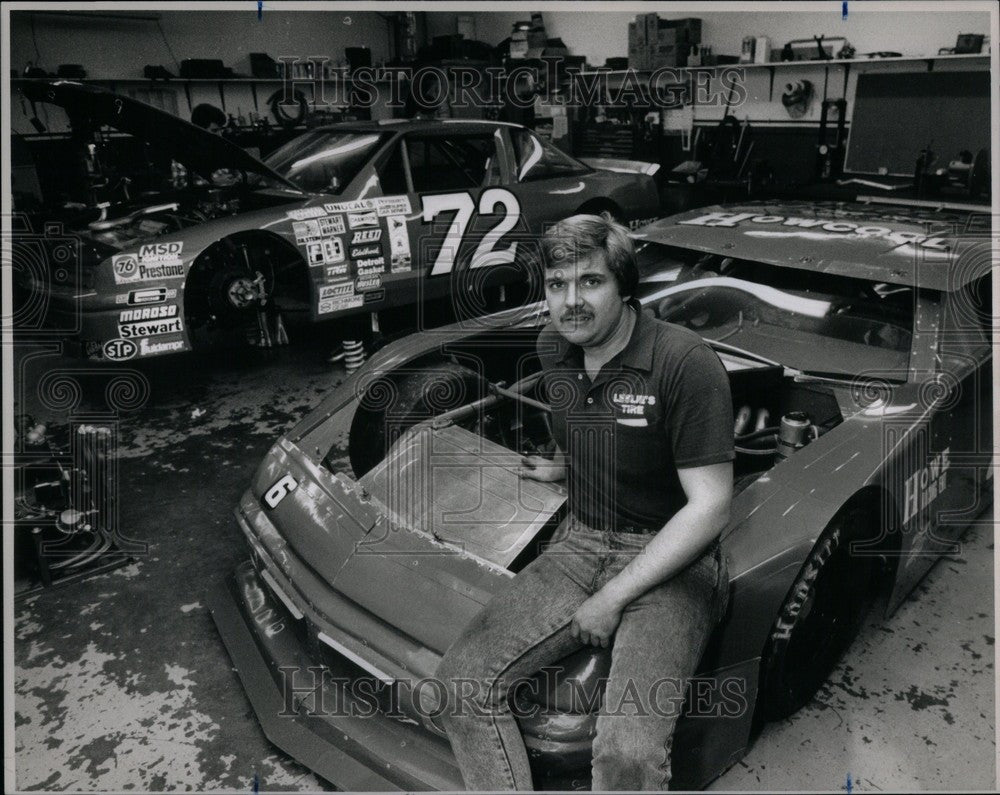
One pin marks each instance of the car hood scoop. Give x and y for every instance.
(463, 490)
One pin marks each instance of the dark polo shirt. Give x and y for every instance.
(661, 404)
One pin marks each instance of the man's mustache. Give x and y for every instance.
(567, 317)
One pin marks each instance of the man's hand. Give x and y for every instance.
(535, 467)
(596, 620)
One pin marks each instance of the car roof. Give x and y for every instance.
(936, 249)
(417, 125)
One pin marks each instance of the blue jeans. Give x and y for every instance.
(662, 636)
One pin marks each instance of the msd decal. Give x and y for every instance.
(158, 251)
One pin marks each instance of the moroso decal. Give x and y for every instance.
(815, 228)
(366, 236)
(119, 350)
(147, 313)
(362, 220)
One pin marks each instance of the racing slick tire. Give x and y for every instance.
(823, 612)
(394, 403)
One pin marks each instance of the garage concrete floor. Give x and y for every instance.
(122, 683)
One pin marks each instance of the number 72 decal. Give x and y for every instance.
(463, 206)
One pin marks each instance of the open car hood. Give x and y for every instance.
(196, 148)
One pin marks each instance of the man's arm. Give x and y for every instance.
(679, 543)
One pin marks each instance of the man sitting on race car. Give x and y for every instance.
(642, 414)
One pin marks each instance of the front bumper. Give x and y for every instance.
(332, 732)
(337, 735)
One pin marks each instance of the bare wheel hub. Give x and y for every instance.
(244, 292)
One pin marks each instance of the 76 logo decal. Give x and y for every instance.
(463, 206)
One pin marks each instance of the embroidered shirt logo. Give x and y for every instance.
(629, 403)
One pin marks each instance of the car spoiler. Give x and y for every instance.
(621, 166)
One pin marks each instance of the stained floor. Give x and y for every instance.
(121, 682)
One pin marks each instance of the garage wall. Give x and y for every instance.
(229, 35)
(602, 35)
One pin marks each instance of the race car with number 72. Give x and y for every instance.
(857, 341)
(348, 219)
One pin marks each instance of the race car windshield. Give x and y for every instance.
(804, 320)
(324, 161)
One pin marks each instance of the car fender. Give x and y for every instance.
(165, 262)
